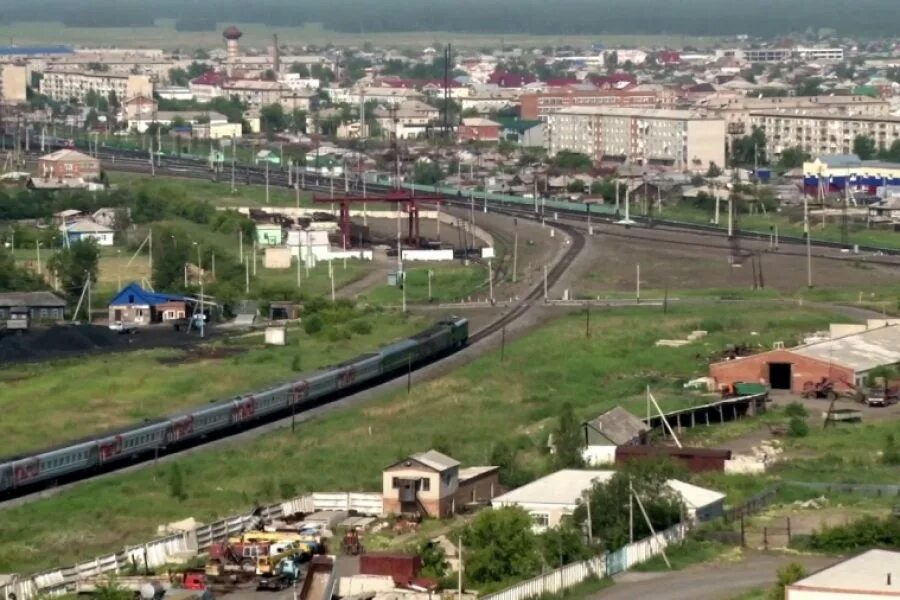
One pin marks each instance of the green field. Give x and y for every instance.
(788, 224)
(449, 283)
(165, 36)
(466, 413)
(42, 406)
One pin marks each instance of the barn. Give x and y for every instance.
(846, 360)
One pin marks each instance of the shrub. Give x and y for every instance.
(361, 327)
(313, 324)
(337, 334)
(296, 364)
(797, 427)
(891, 454)
(795, 409)
(176, 483)
(711, 325)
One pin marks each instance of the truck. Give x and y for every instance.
(883, 393)
(18, 321)
(285, 574)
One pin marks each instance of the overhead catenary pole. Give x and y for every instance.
(637, 283)
(247, 275)
(809, 278)
(515, 249)
(545, 283)
(240, 233)
(491, 280)
(630, 511)
(233, 159)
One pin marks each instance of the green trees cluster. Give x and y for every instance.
(867, 532)
(14, 278)
(571, 161)
(866, 148)
(75, 265)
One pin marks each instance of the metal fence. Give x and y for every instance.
(867, 489)
(162, 551)
(601, 566)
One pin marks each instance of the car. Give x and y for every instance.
(123, 327)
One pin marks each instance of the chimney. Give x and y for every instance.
(889, 579)
(276, 58)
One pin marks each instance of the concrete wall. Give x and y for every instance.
(432, 255)
(277, 258)
(706, 143)
(756, 369)
(599, 455)
(482, 488)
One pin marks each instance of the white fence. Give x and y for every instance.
(434, 255)
(601, 566)
(162, 551)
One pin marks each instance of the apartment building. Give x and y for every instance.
(777, 55)
(540, 105)
(66, 85)
(822, 132)
(409, 120)
(682, 139)
(254, 92)
(13, 83)
(736, 110)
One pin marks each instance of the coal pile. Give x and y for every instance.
(57, 341)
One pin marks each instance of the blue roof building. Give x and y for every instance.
(135, 305)
(34, 50)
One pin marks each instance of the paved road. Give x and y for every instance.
(718, 581)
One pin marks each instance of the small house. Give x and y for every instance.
(433, 484)
(40, 306)
(135, 305)
(86, 229)
(68, 164)
(614, 428)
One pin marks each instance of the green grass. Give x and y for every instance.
(789, 224)
(216, 193)
(690, 552)
(585, 589)
(164, 35)
(470, 410)
(51, 402)
(449, 283)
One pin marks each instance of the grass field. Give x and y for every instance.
(42, 406)
(259, 36)
(449, 283)
(467, 412)
(790, 224)
(216, 193)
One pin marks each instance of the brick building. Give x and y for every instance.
(433, 484)
(68, 164)
(540, 105)
(477, 129)
(845, 360)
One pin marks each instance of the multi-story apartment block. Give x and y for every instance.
(682, 139)
(736, 110)
(67, 85)
(822, 132)
(13, 83)
(776, 55)
(540, 105)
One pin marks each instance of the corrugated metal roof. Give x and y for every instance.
(618, 425)
(860, 351)
(436, 460)
(31, 299)
(865, 573)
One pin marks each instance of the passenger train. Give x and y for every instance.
(19, 474)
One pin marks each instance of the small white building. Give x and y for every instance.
(871, 575)
(87, 229)
(549, 499)
(616, 427)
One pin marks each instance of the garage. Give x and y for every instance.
(780, 375)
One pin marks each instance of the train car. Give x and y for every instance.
(200, 421)
(54, 464)
(272, 400)
(399, 355)
(360, 369)
(6, 477)
(129, 443)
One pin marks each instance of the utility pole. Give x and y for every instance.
(430, 275)
(247, 275)
(587, 321)
(491, 280)
(730, 216)
(637, 282)
(233, 159)
(37, 247)
(630, 511)
(254, 258)
(460, 573)
(267, 181)
(241, 244)
(809, 280)
(331, 276)
(515, 248)
(545, 283)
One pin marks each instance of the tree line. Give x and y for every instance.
(564, 17)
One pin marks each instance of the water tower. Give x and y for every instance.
(232, 35)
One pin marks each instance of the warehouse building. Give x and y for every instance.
(846, 360)
(682, 139)
(873, 574)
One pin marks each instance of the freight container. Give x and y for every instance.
(402, 567)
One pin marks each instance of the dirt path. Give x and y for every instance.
(718, 581)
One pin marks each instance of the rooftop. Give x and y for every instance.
(68, 155)
(618, 425)
(564, 487)
(85, 226)
(860, 351)
(640, 113)
(865, 573)
(436, 460)
(31, 299)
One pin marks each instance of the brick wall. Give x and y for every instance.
(803, 369)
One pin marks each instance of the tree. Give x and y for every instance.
(864, 147)
(434, 560)
(170, 255)
(564, 544)
(272, 118)
(176, 483)
(811, 86)
(576, 186)
(568, 439)
(713, 170)
(14, 278)
(300, 69)
(500, 546)
(750, 149)
(75, 265)
(892, 153)
(572, 161)
(788, 574)
(427, 173)
(609, 502)
(792, 158)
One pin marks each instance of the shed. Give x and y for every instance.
(871, 575)
(616, 427)
(268, 234)
(135, 305)
(40, 305)
(697, 460)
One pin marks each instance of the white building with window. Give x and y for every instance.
(63, 86)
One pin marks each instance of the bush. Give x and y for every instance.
(891, 454)
(867, 532)
(337, 334)
(795, 409)
(313, 324)
(797, 427)
(176, 483)
(296, 364)
(361, 327)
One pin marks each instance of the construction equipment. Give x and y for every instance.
(285, 574)
(351, 545)
(822, 389)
